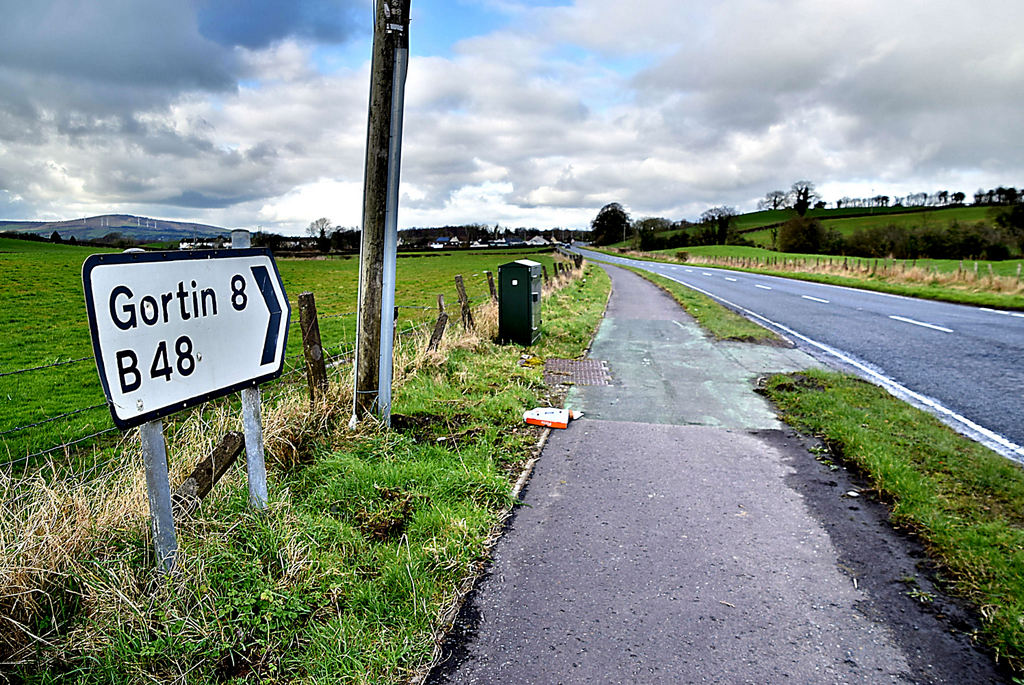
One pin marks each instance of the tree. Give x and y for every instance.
(318, 228)
(610, 224)
(802, 195)
(801, 234)
(721, 219)
(55, 237)
(647, 230)
(1013, 221)
(774, 199)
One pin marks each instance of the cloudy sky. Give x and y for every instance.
(246, 113)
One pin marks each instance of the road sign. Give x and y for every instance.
(173, 329)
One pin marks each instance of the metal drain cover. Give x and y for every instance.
(576, 372)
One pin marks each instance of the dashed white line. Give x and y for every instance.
(992, 439)
(814, 299)
(762, 287)
(921, 323)
(705, 273)
(730, 279)
(1019, 315)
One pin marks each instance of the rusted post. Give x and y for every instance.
(316, 371)
(200, 482)
(490, 285)
(442, 321)
(467, 313)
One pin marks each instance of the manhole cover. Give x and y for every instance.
(575, 372)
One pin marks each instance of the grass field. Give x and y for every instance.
(911, 217)
(43, 321)
(347, 577)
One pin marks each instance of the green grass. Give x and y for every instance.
(965, 502)
(926, 286)
(908, 217)
(346, 578)
(42, 321)
(718, 320)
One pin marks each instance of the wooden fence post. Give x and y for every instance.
(544, 268)
(442, 321)
(467, 313)
(316, 371)
(490, 284)
(200, 482)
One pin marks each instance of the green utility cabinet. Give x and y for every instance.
(519, 286)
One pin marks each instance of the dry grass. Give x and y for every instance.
(52, 522)
(970, 276)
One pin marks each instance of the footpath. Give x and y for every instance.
(680, 533)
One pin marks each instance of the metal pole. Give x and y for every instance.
(252, 419)
(158, 487)
(375, 325)
(387, 307)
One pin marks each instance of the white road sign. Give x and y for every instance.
(173, 329)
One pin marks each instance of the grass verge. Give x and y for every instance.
(959, 282)
(345, 578)
(965, 502)
(716, 319)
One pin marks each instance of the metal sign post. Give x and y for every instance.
(158, 487)
(171, 330)
(252, 419)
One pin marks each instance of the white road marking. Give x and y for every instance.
(814, 299)
(705, 273)
(730, 279)
(762, 287)
(990, 438)
(1019, 315)
(921, 323)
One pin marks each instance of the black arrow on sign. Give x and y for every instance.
(266, 286)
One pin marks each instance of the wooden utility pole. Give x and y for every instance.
(380, 200)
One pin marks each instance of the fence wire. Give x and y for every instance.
(344, 353)
(45, 366)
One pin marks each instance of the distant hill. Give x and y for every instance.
(140, 228)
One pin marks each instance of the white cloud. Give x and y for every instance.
(666, 107)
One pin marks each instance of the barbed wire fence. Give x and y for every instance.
(294, 368)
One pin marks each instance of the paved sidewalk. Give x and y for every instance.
(662, 539)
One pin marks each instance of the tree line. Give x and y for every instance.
(995, 239)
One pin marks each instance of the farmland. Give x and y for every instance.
(839, 220)
(43, 323)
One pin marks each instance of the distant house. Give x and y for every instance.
(498, 243)
(515, 242)
(478, 243)
(537, 241)
(444, 242)
(202, 243)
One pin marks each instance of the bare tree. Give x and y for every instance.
(721, 219)
(802, 195)
(775, 199)
(318, 228)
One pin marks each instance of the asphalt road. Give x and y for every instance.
(964, 364)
